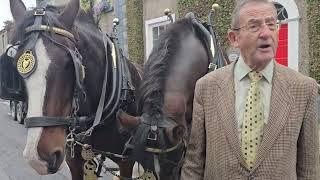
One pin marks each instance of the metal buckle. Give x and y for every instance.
(152, 136)
(153, 133)
(212, 67)
(40, 12)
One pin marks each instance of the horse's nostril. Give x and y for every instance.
(54, 161)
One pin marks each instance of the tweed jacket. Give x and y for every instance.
(290, 146)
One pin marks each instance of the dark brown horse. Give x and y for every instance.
(180, 58)
(65, 61)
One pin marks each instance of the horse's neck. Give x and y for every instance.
(92, 50)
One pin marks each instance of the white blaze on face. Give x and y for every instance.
(36, 88)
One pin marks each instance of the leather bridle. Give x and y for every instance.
(34, 32)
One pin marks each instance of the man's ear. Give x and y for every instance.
(233, 38)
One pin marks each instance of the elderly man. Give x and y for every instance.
(254, 119)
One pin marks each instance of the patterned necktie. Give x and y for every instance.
(252, 127)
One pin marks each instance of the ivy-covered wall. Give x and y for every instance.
(314, 38)
(221, 19)
(135, 30)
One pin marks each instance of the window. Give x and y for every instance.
(156, 31)
(282, 12)
(153, 29)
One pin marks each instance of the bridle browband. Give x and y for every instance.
(49, 29)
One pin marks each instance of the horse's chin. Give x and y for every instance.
(41, 167)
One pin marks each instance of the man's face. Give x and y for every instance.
(257, 34)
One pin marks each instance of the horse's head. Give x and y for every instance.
(166, 97)
(45, 60)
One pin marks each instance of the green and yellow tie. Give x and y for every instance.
(252, 127)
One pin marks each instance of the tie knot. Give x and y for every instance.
(255, 76)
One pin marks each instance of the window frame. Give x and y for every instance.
(149, 25)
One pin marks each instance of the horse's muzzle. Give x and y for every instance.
(54, 161)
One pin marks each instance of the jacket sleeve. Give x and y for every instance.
(308, 141)
(193, 167)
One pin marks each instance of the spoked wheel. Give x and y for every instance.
(13, 110)
(20, 113)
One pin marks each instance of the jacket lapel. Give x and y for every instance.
(226, 103)
(280, 106)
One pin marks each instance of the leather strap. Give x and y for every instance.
(99, 112)
(161, 151)
(156, 165)
(45, 121)
(166, 123)
(49, 29)
(39, 13)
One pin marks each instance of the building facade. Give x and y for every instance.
(293, 40)
(3, 40)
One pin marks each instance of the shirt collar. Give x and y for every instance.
(242, 69)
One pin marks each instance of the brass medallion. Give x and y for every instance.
(89, 168)
(147, 175)
(26, 63)
(87, 153)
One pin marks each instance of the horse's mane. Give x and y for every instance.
(156, 68)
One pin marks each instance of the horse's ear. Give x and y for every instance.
(18, 9)
(69, 13)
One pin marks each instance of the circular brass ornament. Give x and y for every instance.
(87, 154)
(26, 62)
(89, 168)
(147, 175)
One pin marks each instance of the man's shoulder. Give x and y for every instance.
(217, 76)
(293, 77)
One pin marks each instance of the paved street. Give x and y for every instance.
(12, 142)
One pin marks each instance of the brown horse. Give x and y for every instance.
(73, 64)
(180, 58)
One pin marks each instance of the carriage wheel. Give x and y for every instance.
(20, 113)
(13, 110)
